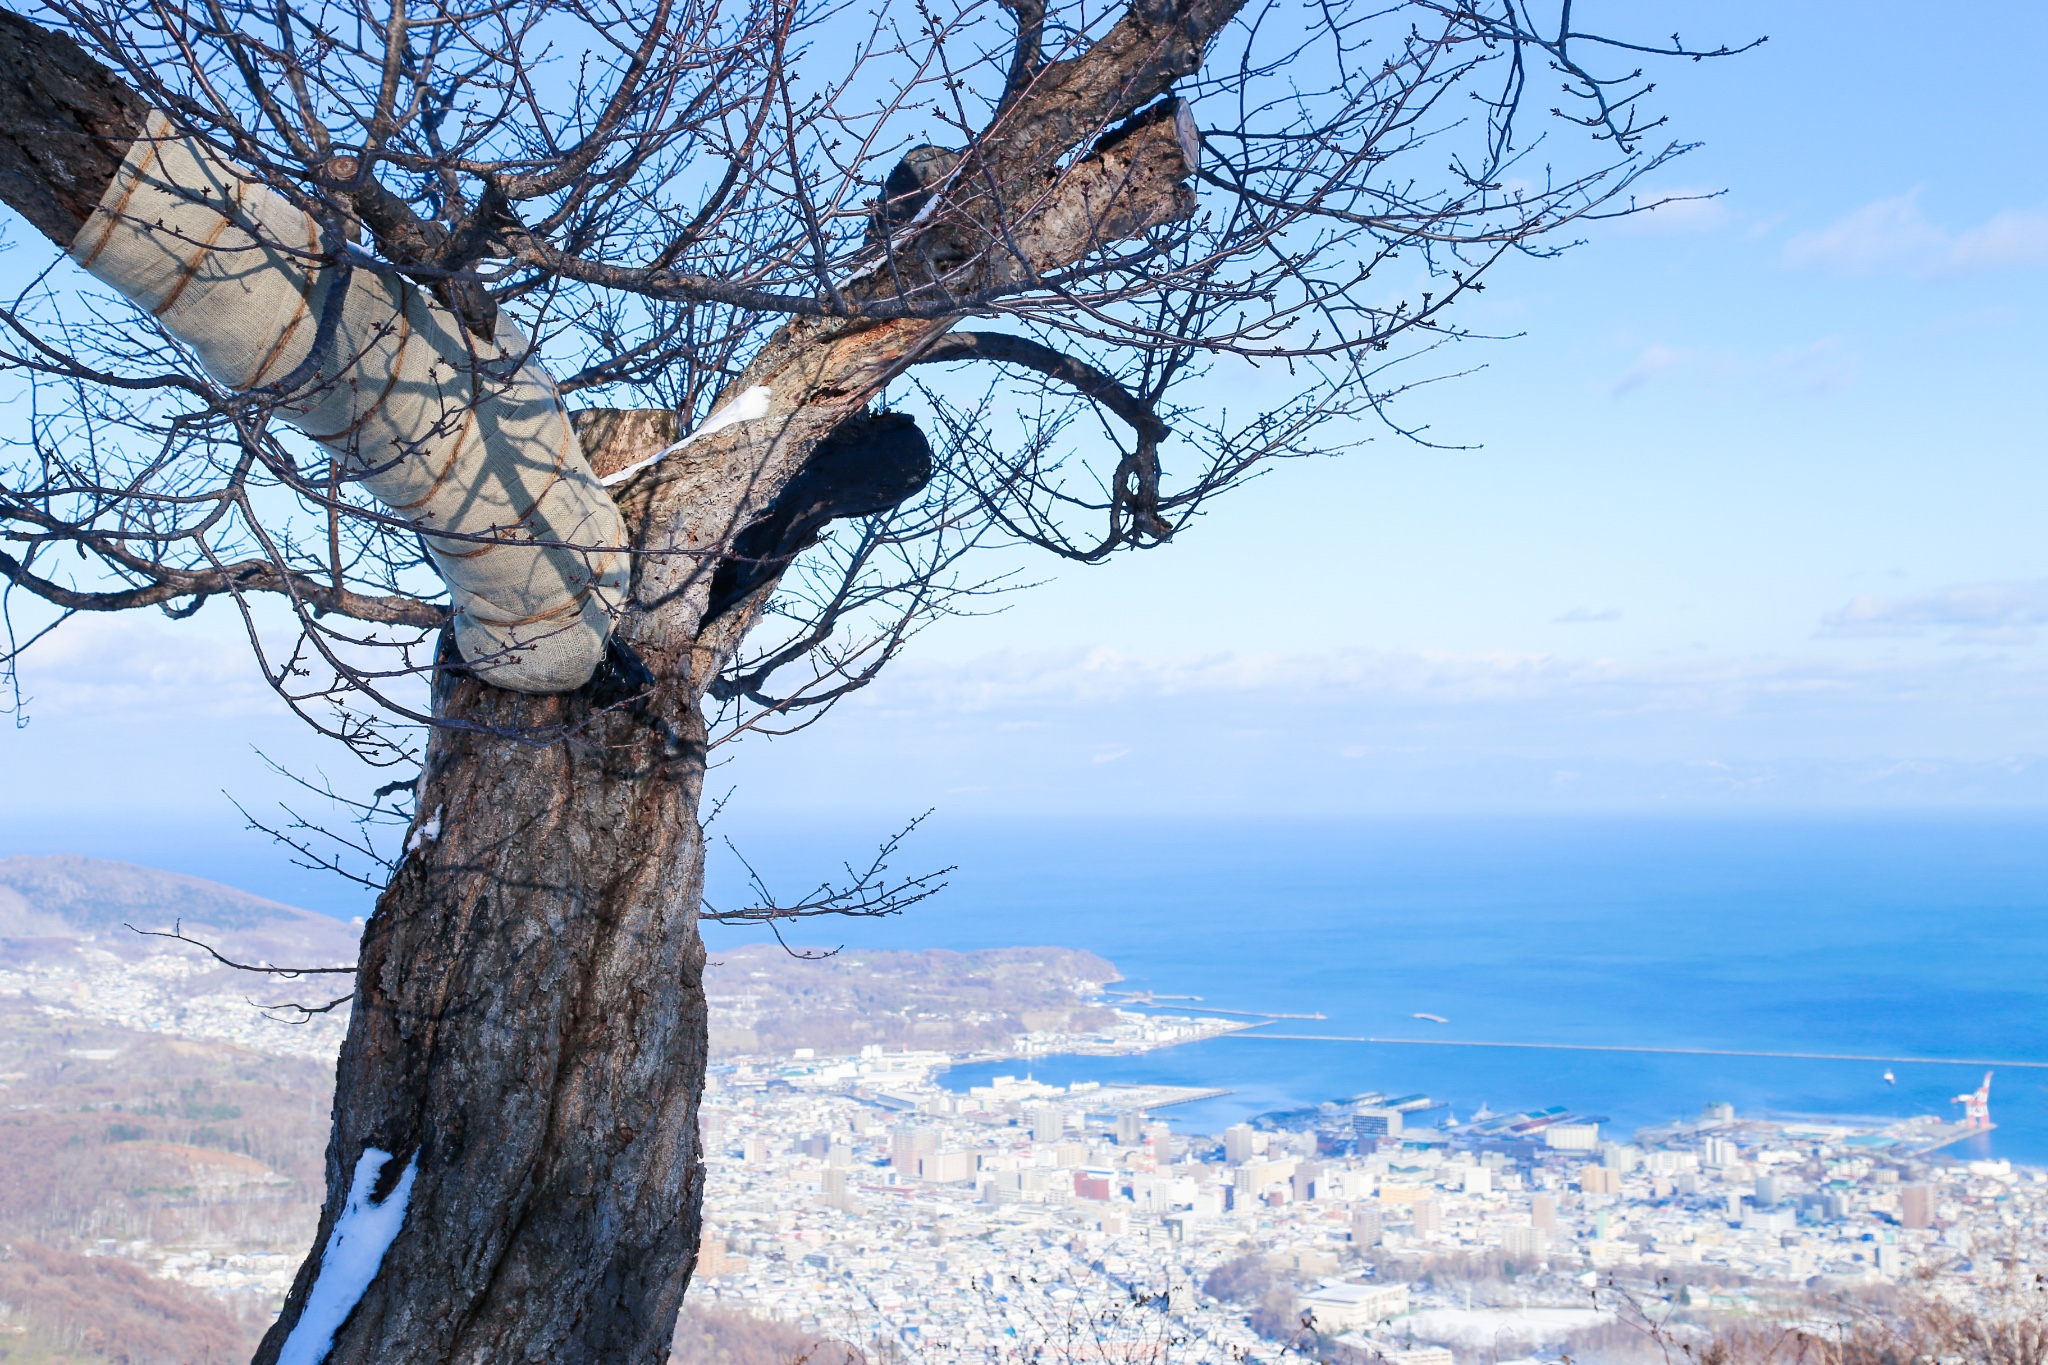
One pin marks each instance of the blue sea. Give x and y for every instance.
(1923, 938)
(1901, 937)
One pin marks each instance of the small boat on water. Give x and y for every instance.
(1433, 1018)
(1890, 1079)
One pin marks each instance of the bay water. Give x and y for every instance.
(1896, 937)
(1915, 936)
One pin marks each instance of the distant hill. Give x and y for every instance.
(765, 1000)
(149, 1103)
(66, 896)
(64, 914)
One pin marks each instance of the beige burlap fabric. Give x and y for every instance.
(463, 439)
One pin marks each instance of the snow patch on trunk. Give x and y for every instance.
(747, 407)
(427, 833)
(355, 1250)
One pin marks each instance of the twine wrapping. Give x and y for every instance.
(458, 436)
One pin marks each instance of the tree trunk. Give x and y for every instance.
(529, 1035)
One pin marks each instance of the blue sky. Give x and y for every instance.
(1748, 518)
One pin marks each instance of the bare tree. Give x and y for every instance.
(362, 254)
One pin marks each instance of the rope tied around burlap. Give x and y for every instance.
(441, 428)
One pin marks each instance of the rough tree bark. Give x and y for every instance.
(529, 1022)
(529, 1015)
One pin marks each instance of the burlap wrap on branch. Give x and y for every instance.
(457, 436)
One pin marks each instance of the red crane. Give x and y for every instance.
(1976, 1105)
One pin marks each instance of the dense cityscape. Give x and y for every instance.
(854, 1195)
(864, 1202)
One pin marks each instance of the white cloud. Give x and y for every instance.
(1359, 729)
(1586, 616)
(1895, 236)
(998, 690)
(1888, 234)
(1106, 677)
(1821, 368)
(1976, 613)
(134, 717)
(2012, 237)
(1996, 318)
(172, 714)
(134, 664)
(1815, 370)
(1654, 362)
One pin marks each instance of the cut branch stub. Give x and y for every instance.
(1153, 45)
(1135, 179)
(1169, 115)
(911, 185)
(426, 248)
(870, 463)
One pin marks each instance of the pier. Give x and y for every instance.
(1665, 1051)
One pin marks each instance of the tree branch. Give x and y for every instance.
(169, 584)
(1075, 373)
(66, 123)
(866, 894)
(289, 973)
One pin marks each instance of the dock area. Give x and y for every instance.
(1124, 1099)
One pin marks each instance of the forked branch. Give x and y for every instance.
(867, 893)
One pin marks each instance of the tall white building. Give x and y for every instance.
(1368, 1225)
(1048, 1123)
(835, 1189)
(908, 1146)
(1572, 1137)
